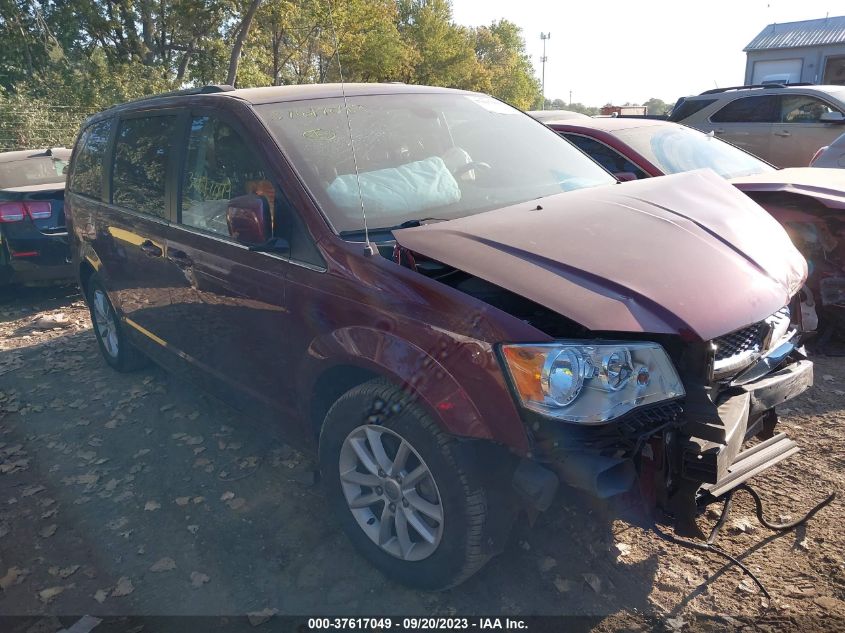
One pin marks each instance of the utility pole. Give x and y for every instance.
(544, 37)
(570, 98)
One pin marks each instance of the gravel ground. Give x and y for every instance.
(139, 495)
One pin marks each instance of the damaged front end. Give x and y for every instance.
(672, 336)
(685, 453)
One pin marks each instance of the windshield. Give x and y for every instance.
(32, 171)
(675, 148)
(423, 156)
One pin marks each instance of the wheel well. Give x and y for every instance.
(85, 272)
(331, 385)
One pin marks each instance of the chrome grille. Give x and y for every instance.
(739, 349)
(747, 339)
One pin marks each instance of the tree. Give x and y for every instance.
(84, 55)
(508, 72)
(443, 53)
(657, 106)
(240, 35)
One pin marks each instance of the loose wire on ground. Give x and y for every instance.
(723, 517)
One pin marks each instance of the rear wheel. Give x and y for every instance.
(116, 349)
(404, 495)
(5, 263)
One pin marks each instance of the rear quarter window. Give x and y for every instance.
(141, 157)
(86, 176)
(689, 107)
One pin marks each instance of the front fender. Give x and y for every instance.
(409, 365)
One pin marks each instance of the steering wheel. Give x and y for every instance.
(460, 170)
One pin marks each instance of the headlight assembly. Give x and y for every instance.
(590, 383)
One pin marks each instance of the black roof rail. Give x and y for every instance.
(202, 90)
(714, 91)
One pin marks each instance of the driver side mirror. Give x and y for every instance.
(832, 117)
(248, 218)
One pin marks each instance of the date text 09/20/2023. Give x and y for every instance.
(417, 623)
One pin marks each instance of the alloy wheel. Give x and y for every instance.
(106, 323)
(391, 492)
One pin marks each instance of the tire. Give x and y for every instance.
(114, 345)
(380, 409)
(6, 271)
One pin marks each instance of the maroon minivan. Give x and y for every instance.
(452, 304)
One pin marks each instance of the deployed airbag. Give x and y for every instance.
(413, 187)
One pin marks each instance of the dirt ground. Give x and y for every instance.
(138, 495)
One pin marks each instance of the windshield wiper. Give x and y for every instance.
(407, 224)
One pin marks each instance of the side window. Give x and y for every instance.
(803, 109)
(607, 157)
(219, 167)
(762, 109)
(87, 176)
(141, 156)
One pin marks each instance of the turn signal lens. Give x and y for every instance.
(526, 368)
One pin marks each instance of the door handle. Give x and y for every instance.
(150, 249)
(180, 258)
(718, 131)
(783, 133)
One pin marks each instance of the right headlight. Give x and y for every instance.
(590, 383)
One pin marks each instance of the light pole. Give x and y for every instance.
(544, 37)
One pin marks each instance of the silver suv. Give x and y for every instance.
(784, 125)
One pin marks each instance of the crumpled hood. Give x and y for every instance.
(682, 254)
(823, 184)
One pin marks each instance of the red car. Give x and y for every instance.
(809, 203)
(447, 302)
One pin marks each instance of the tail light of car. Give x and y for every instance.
(38, 210)
(12, 211)
(818, 153)
(17, 211)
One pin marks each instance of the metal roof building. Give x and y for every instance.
(807, 51)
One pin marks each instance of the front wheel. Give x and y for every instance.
(404, 495)
(116, 349)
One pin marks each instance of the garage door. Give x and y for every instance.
(781, 70)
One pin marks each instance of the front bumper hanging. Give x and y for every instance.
(685, 454)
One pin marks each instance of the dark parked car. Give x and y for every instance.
(455, 307)
(33, 238)
(809, 203)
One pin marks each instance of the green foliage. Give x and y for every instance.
(63, 59)
(28, 122)
(657, 106)
(560, 104)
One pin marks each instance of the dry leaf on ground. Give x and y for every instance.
(198, 579)
(123, 588)
(48, 531)
(10, 578)
(163, 564)
(46, 595)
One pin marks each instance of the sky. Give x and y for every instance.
(615, 51)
